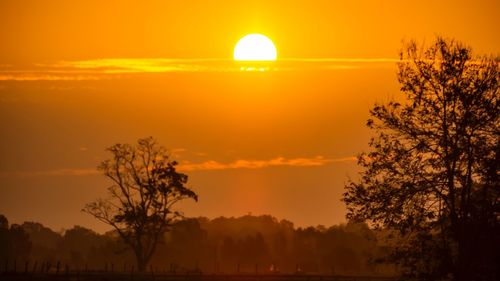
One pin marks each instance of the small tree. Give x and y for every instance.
(145, 187)
(432, 171)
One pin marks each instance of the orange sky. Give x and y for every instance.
(34, 31)
(78, 76)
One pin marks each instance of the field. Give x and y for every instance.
(109, 276)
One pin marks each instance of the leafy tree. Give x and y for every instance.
(145, 187)
(14, 241)
(186, 244)
(4, 237)
(19, 244)
(45, 242)
(76, 242)
(4, 222)
(432, 171)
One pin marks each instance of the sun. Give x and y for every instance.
(255, 47)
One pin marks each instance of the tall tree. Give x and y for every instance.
(145, 187)
(14, 241)
(432, 169)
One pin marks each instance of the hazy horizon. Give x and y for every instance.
(274, 138)
(290, 160)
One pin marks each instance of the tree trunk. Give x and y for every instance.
(463, 271)
(142, 264)
(142, 261)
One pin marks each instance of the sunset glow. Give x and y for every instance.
(272, 91)
(249, 140)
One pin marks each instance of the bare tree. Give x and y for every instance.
(432, 171)
(145, 187)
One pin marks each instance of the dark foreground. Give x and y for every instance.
(97, 276)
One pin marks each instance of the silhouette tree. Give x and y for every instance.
(19, 244)
(218, 245)
(4, 237)
(186, 244)
(432, 171)
(14, 241)
(75, 243)
(46, 242)
(145, 187)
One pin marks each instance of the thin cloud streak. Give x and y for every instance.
(57, 172)
(210, 165)
(48, 77)
(261, 164)
(349, 60)
(113, 68)
(101, 69)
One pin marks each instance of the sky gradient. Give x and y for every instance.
(79, 76)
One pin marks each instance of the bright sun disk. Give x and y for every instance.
(255, 47)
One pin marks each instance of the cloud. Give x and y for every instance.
(47, 77)
(202, 166)
(200, 154)
(115, 68)
(177, 152)
(260, 164)
(57, 172)
(145, 65)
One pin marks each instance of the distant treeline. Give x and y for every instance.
(225, 245)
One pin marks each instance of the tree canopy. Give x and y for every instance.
(220, 245)
(145, 187)
(432, 169)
